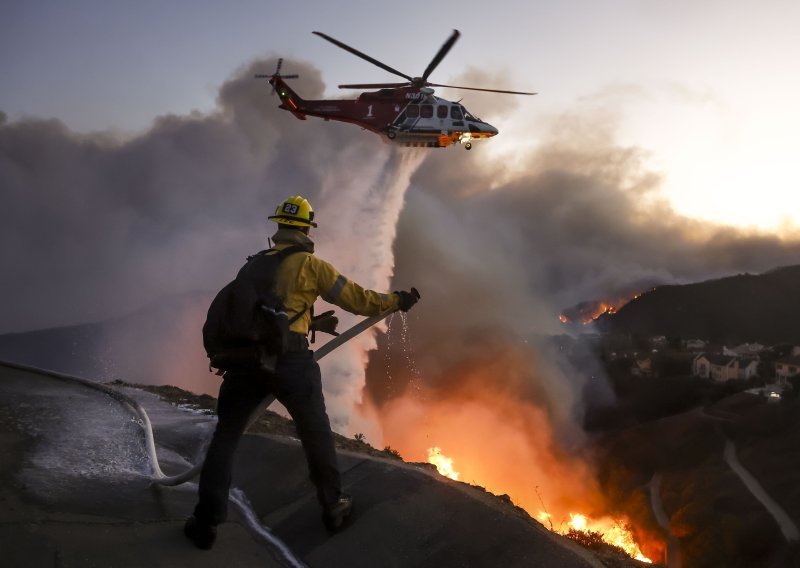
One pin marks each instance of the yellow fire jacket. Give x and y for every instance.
(302, 278)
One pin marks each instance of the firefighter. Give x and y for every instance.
(296, 382)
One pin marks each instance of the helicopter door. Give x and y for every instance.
(441, 114)
(412, 116)
(457, 116)
(426, 112)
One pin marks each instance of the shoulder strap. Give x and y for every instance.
(282, 253)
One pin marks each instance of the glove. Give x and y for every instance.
(407, 299)
(325, 322)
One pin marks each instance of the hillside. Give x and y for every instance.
(747, 307)
(139, 347)
(711, 516)
(87, 503)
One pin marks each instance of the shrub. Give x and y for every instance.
(392, 452)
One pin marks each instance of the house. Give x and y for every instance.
(723, 367)
(744, 350)
(786, 367)
(695, 345)
(642, 367)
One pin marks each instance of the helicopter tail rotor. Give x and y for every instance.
(276, 75)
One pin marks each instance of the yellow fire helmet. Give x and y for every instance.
(294, 211)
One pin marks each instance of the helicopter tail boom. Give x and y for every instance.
(290, 100)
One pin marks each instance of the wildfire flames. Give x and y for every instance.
(444, 465)
(612, 531)
(502, 436)
(586, 312)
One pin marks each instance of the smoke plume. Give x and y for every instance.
(497, 254)
(95, 226)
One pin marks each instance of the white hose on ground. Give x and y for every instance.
(159, 477)
(337, 341)
(283, 553)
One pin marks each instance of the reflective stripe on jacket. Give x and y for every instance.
(303, 277)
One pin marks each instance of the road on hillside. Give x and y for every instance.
(673, 544)
(787, 525)
(785, 522)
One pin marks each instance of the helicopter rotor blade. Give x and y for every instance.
(440, 54)
(363, 56)
(374, 85)
(479, 89)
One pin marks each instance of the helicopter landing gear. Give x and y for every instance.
(468, 145)
(391, 134)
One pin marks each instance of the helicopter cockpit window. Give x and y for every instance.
(426, 111)
(468, 116)
(441, 111)
(455, 113)
(412, 111)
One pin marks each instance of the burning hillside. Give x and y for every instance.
(612, 531)
(491, 426)
(585, 313)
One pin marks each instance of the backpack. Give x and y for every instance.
(247, 321)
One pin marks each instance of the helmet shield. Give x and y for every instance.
(295, 211)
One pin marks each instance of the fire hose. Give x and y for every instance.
(160, 478)
(172, 480)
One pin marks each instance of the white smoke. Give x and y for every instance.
(359, 208)
(95, 227)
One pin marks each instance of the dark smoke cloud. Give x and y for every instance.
(498, 255)
(583, 217)
(94, 225)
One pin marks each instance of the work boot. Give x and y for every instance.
(201, 534)
(336, 516)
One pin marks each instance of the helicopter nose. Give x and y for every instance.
(489, 129)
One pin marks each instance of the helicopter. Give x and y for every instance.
(406, 113)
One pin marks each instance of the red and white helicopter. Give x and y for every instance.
(407, 113)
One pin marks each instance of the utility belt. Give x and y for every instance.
(296, 342)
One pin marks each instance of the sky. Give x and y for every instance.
(708, 89)
(139, 158)
(117, 133)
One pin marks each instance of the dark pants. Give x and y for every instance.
(297, 384)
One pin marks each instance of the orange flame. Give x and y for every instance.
(502, 441)
(586, 312)
(444, 465)
(612, 531)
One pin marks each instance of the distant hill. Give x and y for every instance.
(158, 344)
(747, 307)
